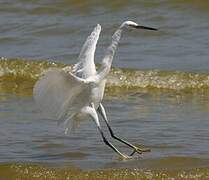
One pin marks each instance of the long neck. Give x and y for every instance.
(107, 61)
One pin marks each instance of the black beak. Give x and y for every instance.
(145, 27)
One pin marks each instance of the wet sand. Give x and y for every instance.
(27, 171)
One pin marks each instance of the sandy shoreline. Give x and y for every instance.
(31, 171)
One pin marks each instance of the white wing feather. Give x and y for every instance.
(55, 93)
(86, 67)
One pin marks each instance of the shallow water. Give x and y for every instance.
(170, 119)
(157, 93)
(55, 30)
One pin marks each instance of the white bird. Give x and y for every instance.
(72, 96)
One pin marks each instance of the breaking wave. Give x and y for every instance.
(18, 76)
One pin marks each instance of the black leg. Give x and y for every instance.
(101, 111)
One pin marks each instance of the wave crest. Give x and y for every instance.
(18, 76)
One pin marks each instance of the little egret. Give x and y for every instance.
(72, 96)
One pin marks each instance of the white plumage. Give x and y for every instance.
(70, 96)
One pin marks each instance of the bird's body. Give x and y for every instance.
(85, 68)
(71, 96)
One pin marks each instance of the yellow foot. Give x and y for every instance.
(125, 157)
(140, 150)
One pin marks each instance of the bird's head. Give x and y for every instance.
(131, 24)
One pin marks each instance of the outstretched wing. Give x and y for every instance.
(56, 91)
(86, 67)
